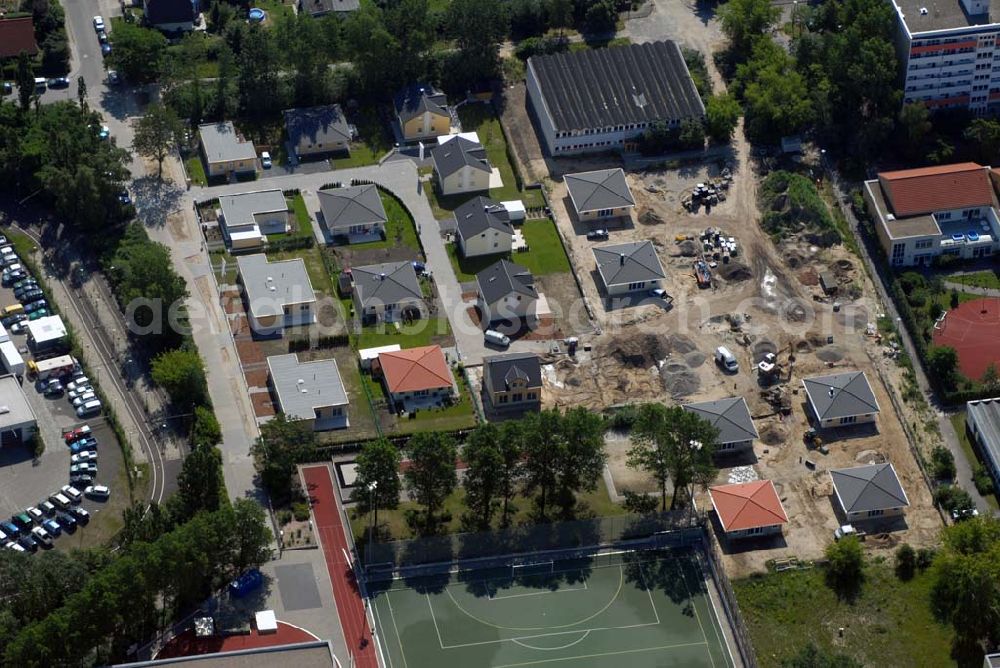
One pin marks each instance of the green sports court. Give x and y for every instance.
(638, 609)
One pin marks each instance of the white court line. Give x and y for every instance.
(600, 654)
(642, 576)
(715, 611)
(560, 590)
(697, 616)
(544, 635)
(553, 649)
(387, 658)
(399, 638)
(435, 620)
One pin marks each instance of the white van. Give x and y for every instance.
(61, 500)
(496, 338)
(40, 83)
(726, 359)
(92, 407)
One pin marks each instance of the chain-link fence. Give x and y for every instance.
(740, 633)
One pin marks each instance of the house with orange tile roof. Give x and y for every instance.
(748, 509)
(416, 378)
(923, 213)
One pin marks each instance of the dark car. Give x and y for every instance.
(597, 235)
(80, 446)
(124, 197)
(54, 389)
(14, 276)
(30, 295)
(8, 88)
(28, 543)
(23, 520)
(66, 521)
(11, 529)
(37, 304)
(12, 320)
(80, 514)
(102, 37)
(25, 282)
(59, 82)
(105, 49)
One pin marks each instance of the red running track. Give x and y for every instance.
(333, 540)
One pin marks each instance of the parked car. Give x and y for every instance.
(83, 398)
(80, 391)
(13, 319)
(844, 531)
(35, 514)
(79, 432)
(28, 293)
(37, 305)
(113, 78)
(13, 276)
(52, 527)
(658, 293)
(598, 235)
(81, 479)
(18, 328)
(98, 492)
(83, 467)
(59, 82)
(82, 431)
(39, 313)
(246, 583)
(960, 514)
(12, 545)
(66, 521)
(105, 49)
(47, 507)
(53, 388)
(725, 358)
(102, 37)
(72, 492)
(8, 87)
(496, 338)
(82, 446)
(124, 197)
(98, 23)
(11, 529)
(61, 500)
(23, 521)
(265, 160)
(23, 283)
(80, 514)
(83, 457)
(90, 408)
(28, 543)
(42, 536)
(104, 132)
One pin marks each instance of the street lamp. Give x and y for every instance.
(372, 486)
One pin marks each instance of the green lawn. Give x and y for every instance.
(375, 140)
(889, 624)
(400, 230)
(958, 422)
(546, 254)
(979, 279)
(460, 415)
(314, 266)
(196, 170)
(596, 504)
(414, 335)
(303, 224)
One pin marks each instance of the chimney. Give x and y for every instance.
(621, 259)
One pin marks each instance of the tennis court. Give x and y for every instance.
(637, 609)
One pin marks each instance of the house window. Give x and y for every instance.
(726, 446)
(421, 393)
(531, 396)
(637, 286)
(604, 213)
(516, 397)
(898, 253)
(503, 398)
(924, 243)
(850, 419)
(754, 531)
(876, 513)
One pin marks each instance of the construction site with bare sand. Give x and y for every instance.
(801, 304)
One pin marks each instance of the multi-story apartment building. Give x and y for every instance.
(949, 54)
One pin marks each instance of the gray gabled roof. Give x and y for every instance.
(985, 414)
(321, 7)
(730, 416)
(630, 262)
(624, 85)
(302, 387)
(459, 152)
(389, 283)
(841, 395)
(503, 278)
(222, 144)
(239, 209)
(480, 214)
(318, 125)
(500, 370)
(865, 488)
(353, 205)
(603, 189)
(417, 98)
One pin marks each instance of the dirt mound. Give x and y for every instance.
(869, 457)
(640, 351)
(688, 248)
(680, 383)
(680, 343)
(809, 277)
(831, 353)
(647, 217)
(762, 348)
(695, 359)
(734, 271)
(773, 435)
(803, 347)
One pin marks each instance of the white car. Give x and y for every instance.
(98, 23)
(83, 457)
(98, 492)
(72, 492)
(80, 391)
(84, 398)
(82, 381)
(265, 160)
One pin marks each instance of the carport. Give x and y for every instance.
(17, 420)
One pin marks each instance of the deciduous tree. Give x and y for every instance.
(156, 133)
(378, 464)
(722, 113)
(483, 474)
(199, 484)
(138, 53)
(283, 443)
(181, 373)
(431, 477)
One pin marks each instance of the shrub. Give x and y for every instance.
(981, 478)
(952, 497)
(917, 297)
(845, 567)
(925, 557)
(942, 463)
(906, 562)
(640, 504)
(300, 510)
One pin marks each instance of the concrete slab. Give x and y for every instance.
(297, 587)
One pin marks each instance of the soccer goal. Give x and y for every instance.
(531, 568)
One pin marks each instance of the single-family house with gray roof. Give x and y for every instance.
(483, 228)
(353, 213)
(506, 291)
(600, 195)
(248, 217)
(309, 391)
(841, 399)
(225, 151)
(389, 292)
(982, 421)
(732, 418)
(422, 112)
(513, 383)
(318, 130)
(461, 166)
(629, 267)
(867, 492)
(317, 8)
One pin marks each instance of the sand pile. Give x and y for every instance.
(830, 353)
(680, 343)
(688, 248)
(679, 380)
(734, 271)
(695, 359)
(641, 350)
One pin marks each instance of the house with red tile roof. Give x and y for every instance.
(416, 378)
(922, 213)
(748, 509)
(17, 35)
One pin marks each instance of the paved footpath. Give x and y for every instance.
(333, 541)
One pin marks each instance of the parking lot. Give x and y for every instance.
(26, 479)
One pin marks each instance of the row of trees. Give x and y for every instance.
(548, 456)
(98, 607)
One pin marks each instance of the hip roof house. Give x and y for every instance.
(603, 99)
(318, 130)
(416, 378)
(354, 213)
(732, 418)
(600, 195)
(506, 291)
(225, 151)
(277, 294)
(869, 491)
(388, 292)
(483, 228)
(629, 267)
(748, 509)
(841, 399)
(17, 35)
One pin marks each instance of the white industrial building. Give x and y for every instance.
(17, 420)
(46, 333)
